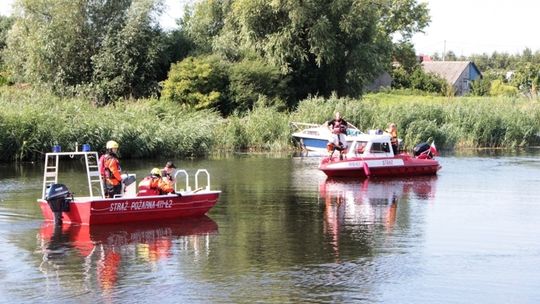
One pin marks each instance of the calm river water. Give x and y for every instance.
(283, 233)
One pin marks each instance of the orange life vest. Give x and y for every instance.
(153, 185)
(109, 169)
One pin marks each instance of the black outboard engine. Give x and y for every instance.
(58, 197)
(421, 148)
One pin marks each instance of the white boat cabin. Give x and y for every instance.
(371, 145)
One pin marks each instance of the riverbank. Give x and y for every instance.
(32, 121)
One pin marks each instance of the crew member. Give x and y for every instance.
(338, 127)
(110, 170)
(167, 173)
(392, 131)
(153, 184)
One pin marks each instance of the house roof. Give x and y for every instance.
(449, 70)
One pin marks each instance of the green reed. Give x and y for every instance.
(31, 122)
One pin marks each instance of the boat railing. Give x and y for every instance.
(186, 176)
(207, 179)
(303, 125)
(198, 174)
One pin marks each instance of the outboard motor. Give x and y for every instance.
(58, 197)
(422, 148)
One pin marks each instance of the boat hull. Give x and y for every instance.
(312, 144)
(379, 167)
(90, 211)
(316, 144)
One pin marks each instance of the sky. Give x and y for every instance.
(480, 26)
(467, 26)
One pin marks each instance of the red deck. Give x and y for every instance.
(144, 208)
(359, 167)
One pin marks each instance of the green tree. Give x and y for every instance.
(127, 62)
(423, 81)
(252, 79)
(198, 82)
(417, 79)
(498, 88)
(527, 78)
(203, 23)
(5, 25)
(325, 46)
(109, 49)
(46, 44)
(450, 56)
(405, 55)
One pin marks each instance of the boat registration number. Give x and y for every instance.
(141, 205)
(388, 162)
(384, 162)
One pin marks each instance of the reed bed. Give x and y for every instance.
(458, 122)
(31, 122)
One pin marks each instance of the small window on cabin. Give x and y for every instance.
(380, 148)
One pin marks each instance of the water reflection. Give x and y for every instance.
(364, 206)
(104, 251)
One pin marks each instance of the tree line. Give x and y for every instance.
(226, 55)
(231, 55)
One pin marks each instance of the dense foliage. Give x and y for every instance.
(279, 50)
(323, 46)
(32, 122)
(98, 48)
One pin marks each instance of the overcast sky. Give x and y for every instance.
(467, 26)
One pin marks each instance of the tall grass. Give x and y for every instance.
(261, 129)
(470, 122)
(31, 122)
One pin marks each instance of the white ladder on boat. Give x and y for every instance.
(91, 161)
(50, 175)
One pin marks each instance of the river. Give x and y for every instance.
(282, 233)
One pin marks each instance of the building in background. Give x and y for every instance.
(459, 74)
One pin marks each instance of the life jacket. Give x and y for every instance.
(101, 164)
(149, 186)
(393, 136)
(104, 164)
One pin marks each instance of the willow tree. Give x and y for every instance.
(109, 49)
(324, 45)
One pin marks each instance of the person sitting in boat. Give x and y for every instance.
(167, 173)
(110, 171)
(338, 127)
(392, 131)
(153, 184)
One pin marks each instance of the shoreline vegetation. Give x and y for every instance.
(90, 71)
(32, 121)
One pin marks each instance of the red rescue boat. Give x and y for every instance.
(58, 204)
(372, 155)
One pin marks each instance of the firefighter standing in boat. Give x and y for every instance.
(392, 131)
(338, 127)
(110, 170)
